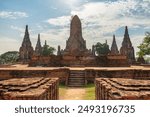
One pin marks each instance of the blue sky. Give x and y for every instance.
(51, 18)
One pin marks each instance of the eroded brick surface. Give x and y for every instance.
(29, 89)
(122, 89)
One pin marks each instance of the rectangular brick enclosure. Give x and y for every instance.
(29, 89)
(122, 89)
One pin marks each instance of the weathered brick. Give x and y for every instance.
(29, 89)
(122, 89)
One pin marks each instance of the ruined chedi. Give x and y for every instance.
(38, 48)
(59, 51)
(127, 48)
(114, 48)
(76, 45)
(26, 50)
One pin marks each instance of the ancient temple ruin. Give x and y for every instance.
(127, 48)
(76, 53)
(38, 48)
(26, 50)
(114, 48)
(76, 45)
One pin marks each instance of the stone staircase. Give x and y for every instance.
(77, 78)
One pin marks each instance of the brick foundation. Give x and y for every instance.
(122, 89)
(30, 89)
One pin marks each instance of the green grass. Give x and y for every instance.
(62, 90)
(90, 92)
(62, 86)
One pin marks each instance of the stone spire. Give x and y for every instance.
(45, 42)
(114, 48)
(76, 27)
(59, 50)
(127, 48)
(38, 48)
(106, 41)
(126, 40)
(75, 45)
(26, 50)
(26, 39)
(93, 50)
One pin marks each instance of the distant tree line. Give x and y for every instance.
(144, 46)
(47, 50)
(9, 57)
(101, 49)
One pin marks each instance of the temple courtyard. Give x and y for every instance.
(14, 76)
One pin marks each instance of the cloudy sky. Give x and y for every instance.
(51, 18)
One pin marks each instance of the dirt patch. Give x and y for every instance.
(73, 94)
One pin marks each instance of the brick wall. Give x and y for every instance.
(62, 74)
(30, 89)
(122, 89)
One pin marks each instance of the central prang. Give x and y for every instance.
(76, 45)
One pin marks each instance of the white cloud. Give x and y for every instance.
(9, 44)
(22, 30)
(102, 18)
(12, 15)
(17, 28)
(55, 37)
(70, 3)
(60, 21)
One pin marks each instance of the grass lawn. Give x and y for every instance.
(62, 90)
(90, 92)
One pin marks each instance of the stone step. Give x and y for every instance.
(76, 85)
(77, 74)
(77, 82)
(77, 65)
(76, 79)
(82, 74)
(81, 83)
(77, 71)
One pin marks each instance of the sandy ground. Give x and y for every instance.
(73, 94)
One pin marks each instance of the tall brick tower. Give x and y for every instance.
(127, 48)
(76, 45)
(38, 48)
(114, 48)
(26, 50)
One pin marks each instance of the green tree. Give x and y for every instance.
(48, 50)
(102, 49)
(144, 46)
(9, 57)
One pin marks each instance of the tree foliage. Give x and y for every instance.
(102, 49)
(47, 50)
(9, 57)
(145, 46)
